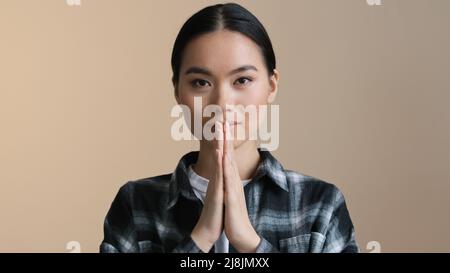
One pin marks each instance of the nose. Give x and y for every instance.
(222, 97)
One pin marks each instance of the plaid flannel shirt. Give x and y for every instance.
(290, 211)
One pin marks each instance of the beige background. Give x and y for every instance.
(85, 97)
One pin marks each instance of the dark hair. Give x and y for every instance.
(229, 16)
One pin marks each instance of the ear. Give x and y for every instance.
(273, 82)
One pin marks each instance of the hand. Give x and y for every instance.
(238, 228)
(210, 224)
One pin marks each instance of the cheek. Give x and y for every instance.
(189, 101)
(257, 94)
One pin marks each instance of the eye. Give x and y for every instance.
(243, 81)
(199, 83)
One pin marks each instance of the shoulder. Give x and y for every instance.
(312, 189)
(158, 183)
(144, 191)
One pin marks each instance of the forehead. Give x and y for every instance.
(222, 51)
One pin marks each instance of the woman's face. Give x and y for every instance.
(225, 68)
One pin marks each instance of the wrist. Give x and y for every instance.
(249, 245)
(201, 240)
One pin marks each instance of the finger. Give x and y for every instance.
(227, 168)
(236, 169)
(219, 136)
(231, 176)
(227, 175)
(214, 191)
(225, 139)
(226, 187)
(219, 166)
(227, 142)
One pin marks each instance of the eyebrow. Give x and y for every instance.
(200, 70)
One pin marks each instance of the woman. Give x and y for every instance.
(230, 196)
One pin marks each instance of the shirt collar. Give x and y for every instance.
(179, 181)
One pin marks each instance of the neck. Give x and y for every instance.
(246, 156)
